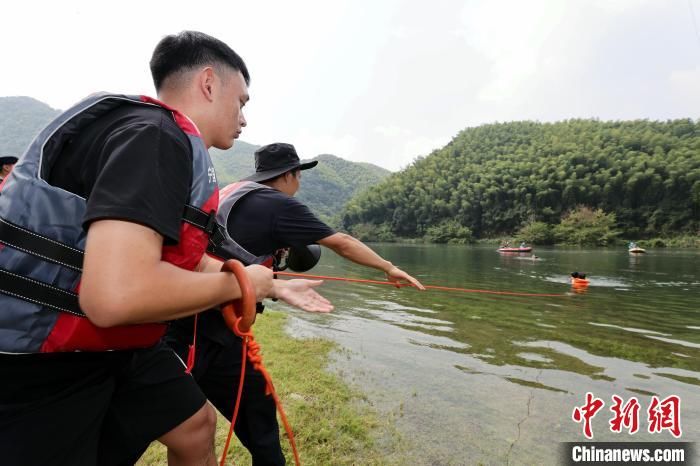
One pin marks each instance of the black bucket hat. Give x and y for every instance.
(275, 159)
(7, 159)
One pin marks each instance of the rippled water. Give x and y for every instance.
(476, 378)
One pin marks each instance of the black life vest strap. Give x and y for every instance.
(216, 239)
(205, 222)
(199, 218)
(40, 246)
(59, 253)
(39, 292)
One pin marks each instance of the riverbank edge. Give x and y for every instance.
(332, 422)
(680, 242)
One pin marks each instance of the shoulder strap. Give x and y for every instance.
(221, 244)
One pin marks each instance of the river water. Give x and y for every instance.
(475, 378)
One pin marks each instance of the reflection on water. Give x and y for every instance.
(477, 378)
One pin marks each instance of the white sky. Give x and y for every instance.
(379, 81)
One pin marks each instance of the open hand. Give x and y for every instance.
(395, 275)
(300, 293)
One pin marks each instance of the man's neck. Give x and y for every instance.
(273, 184)
(182, 103)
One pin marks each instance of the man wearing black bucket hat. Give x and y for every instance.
(6, 164)
(262, 217)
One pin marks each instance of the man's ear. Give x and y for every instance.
(205, 80)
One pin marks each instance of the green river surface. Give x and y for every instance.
(473, 378)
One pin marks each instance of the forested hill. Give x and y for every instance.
(334, 181)
(494, 179)
(235, 163)
(325, 189)
(21, 118)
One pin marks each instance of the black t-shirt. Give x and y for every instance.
(134, 164)
(131, 164)
(267, 220)
(261, 222)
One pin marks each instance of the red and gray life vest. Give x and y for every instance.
(42, 238)
(221, 244)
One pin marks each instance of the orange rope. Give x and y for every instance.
(192, 348)
(251, 348)
(428, 287)
(251, 351)
(237, 405)
(255, 357)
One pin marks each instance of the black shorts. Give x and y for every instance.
(91, 408)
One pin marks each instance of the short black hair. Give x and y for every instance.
(189, 49)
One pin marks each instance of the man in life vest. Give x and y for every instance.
(261, 217)
(104, 222)
(6, 163)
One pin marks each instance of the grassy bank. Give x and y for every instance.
(332, 423)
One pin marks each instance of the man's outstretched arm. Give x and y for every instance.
(358, 252)
(125, 281)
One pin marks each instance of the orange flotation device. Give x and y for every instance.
(579, 282)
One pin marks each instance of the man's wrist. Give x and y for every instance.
(274, 291)
(387, 267)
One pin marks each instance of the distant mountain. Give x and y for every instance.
(325, 189)
(334, 181)
(235, 163)
(21, 118)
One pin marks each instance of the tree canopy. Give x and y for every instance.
(497, 178)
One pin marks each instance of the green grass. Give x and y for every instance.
(332, 423)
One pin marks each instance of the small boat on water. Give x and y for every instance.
(517, 250)
(634, 249)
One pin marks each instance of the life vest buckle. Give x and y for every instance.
(211, 225)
